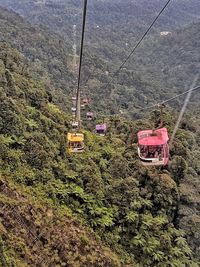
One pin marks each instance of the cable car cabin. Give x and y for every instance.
(74, 125)
(84, 102)
(74, 100)
(75, 142)
(153, 147)
(89, 116)
(101, 129)
(73, 109)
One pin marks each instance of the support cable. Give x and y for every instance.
(138, 44)
(78, 96)
(187, 99)
(170, 99)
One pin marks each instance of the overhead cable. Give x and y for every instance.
(80, 63)
(170, 99)
(138, 44)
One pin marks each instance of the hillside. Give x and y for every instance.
(112, 26)
(35, 233)
(157, 71)
(52, 58)
(171, 60)
(103, 197)
(114, 18)
(100, 208)
(37, 228)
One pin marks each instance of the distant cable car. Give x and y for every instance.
(74, 100)
(73, 109)
(84, 103)
(101, 129)
(74, 125)
(89, 116)
(153, 148)
(75, 142)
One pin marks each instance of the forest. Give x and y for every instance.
(101, 207)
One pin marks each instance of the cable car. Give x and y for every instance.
(74, 100)
(153, 148)
(74, 125)
(89, 116)
(101, 129)
(75, 142)
(73, 109)
(84, 102)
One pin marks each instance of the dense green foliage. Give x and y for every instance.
(131, 208)
(104, 197)
(50, 56)
(32, 144)
(112, 31)
(172, 60)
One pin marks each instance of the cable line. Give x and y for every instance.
(187, 99)
(139, 42)
(170, 99)
(78, 96)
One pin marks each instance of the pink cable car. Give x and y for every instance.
(89, 116)
(153, 148)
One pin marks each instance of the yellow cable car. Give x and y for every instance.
(75, 142)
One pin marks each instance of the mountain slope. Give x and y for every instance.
(172, 60)
(138, 212)
(39, 234)
(118, 15)
(129, 208)
(156, 71)
(112, 27)
(52, 63)
(35, 230)
(50, 56)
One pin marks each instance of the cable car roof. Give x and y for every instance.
(74, 123)
(75, 137)
(89, 114)
(101, 126)
(153, 138)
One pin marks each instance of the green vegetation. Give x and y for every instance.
(100, 208)
(168, 66)
(49, 55)
(131, 209)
